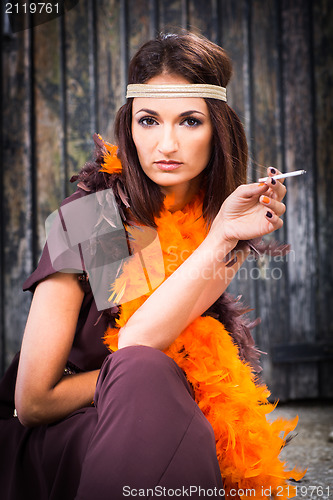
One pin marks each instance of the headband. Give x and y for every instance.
(165, 91)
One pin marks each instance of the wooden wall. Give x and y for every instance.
(65, 79)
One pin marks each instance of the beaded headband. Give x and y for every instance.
(165, 91)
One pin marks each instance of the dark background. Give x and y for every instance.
(64, 80)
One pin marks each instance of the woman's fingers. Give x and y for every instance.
(272, 200)
(277, 187)
(274, 221)
(271, 171)
(247, 191)
(276, 206)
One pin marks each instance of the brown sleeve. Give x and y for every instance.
(68, 260)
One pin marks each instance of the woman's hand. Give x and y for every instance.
(251, 211)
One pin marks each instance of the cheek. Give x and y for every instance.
(142, 140)
(138, 142)
(202, 148)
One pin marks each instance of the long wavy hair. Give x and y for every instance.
(198, 60)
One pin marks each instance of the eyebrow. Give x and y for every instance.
(185, 113)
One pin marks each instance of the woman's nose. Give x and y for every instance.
(168, 142)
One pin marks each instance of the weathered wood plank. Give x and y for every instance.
(299, 153)
(173, 15)
(303, 380)
(322, 18)
(50, 173)
(201, 17)
(111, 85)
(325, 378)
(93, 70)
(17, 231)
(154, 15)
(232, 38)
(216, 14)
(78, 92)
(4, 39)
(271, 287)
(232, 25)
(139, 25)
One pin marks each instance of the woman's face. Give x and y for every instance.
(173, 138)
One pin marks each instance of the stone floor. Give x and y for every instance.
(311, 448)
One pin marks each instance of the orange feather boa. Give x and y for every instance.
(226, 390)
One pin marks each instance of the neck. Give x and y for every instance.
(179, 196)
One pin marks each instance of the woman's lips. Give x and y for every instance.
(168, 165)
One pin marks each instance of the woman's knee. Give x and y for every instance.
(141, 368)
(140, 361)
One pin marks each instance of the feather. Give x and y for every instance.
(122, 196)
(259, 247)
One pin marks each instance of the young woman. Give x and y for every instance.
(134, 422)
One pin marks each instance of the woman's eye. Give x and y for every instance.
(191, 122)
(147, 121)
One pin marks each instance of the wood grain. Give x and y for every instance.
(17, 195)
(322, 16)
(233, 23)
(66, 79)
(173, 15)
(300, 153)
(49, 167)
(78, 94)
(272, 286)
(201, 17)
(111, 83)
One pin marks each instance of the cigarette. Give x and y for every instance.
(283, 176)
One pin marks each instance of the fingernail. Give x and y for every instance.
(265, 199)
(262, 184)
(273, 181)
(269, 215)
(272, 169)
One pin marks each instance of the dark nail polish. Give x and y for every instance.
(273, 181)
(269, 215)
(272, 170)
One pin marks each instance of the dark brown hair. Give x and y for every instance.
(198, 60)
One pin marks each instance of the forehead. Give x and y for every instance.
(172, 105)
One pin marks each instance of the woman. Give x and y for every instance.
(181, 169)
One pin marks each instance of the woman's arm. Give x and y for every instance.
(42, 393)
(184, 296)
(203, 277)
